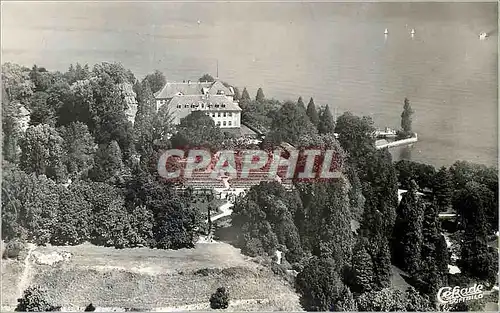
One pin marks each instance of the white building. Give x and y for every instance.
(213, 97)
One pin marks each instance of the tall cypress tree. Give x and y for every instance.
(362, 267)
(442, 189)
(406, 117)
(260, 98)
(326, 123)
(245, 99)
(476, 259)
(407, 233)
(434, 267)
(312, 112)
(301, 105)
(143, 126)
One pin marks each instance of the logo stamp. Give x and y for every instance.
(457, 294)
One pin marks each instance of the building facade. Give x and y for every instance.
(214, 98)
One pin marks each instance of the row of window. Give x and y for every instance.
(218, 114)
(229, 123)
(195, 106)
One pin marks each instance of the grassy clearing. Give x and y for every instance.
(149, 278)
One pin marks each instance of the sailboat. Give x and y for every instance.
(412, 31)
(386, 31)
(483, 36)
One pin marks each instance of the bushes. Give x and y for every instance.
(35, 299)
(13, 249)
(219, 299)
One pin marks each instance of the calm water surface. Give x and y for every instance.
(336, 53)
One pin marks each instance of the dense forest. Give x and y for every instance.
(83, 172)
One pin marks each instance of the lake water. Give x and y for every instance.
(336, 53)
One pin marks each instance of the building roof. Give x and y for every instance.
(192, 88)
(225, 103)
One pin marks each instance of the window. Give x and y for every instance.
(216, 105)
(218, 123)
(179, 106)
(223, 105)
(186, 106)
(229, 114)
(224, 123)
(225, 114)
(218, 114)
(229, 123)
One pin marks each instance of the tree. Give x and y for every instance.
(245, 95)
(113, 227)
(385, 300)
(406, 119)
(206, 78)
(476, 258)
(290, 124)
(45, 105)
(245, 100)
(373, 228)
(42, 152)
(300, 104)
(219, 299)
(319, 285)
(408, 231)
(312, 113)
(35, 299)
(107, 162)
(442, 189)
(209, 220)
(11, 128)
(73, 224)
(362, 268)
(266, 218)
(79, 148)
(333, 238)
(416, 302)
(346, 302)
(434, 267)
(16, 81)
(355, 136)
(260, 98)
(144, 121)
(423, 174)
(326, 124)
(197, 130)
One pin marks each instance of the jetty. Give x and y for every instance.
(381, 144)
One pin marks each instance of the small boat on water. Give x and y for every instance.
(483, 36)
(412, 31)
(386, 31)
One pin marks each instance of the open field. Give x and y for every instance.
(149, 279)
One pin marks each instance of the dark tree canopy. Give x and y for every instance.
(156, 81)
(326, 124)
(312, 113)
(206, 78)
(300, 104)
(290, 124)
(197, 130)
(260, 98)
(219, 299)
(406, 117)
(319, 285)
